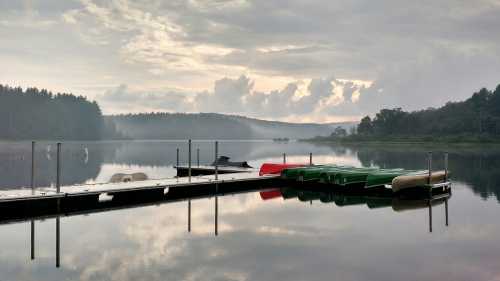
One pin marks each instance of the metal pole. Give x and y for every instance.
(216, 211)
(310, 158)
(284, 158)
(445, 166)
(216, 189)
(216, 162)
(58, 241)
(32, 239)
(446, 210)
(189, 215)
(189, 160)
(430, 216)
(198, 157)
(429, 181)
(177, 159)
(32, 167)
(58, 177)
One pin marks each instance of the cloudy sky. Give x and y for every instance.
(293, 60)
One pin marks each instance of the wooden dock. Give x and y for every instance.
(28, 194)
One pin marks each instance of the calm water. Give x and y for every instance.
(258, 239)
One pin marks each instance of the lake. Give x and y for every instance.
(275, 239)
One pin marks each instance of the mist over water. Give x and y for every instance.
(278, 239)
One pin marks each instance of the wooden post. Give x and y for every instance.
(198, 157)
(284, 158)
(310, 158)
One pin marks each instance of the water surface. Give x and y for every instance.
(258, 239)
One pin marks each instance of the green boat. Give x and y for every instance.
(346, 175)
(385, 177)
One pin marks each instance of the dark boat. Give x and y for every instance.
(224, 161)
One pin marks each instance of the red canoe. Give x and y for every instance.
(275, 169)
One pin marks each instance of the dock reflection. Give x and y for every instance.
(308, 196)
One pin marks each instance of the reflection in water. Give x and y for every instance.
(345, 238)
(303, 195)
(398, 204)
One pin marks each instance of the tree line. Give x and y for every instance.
(478, 116)
(40, 114)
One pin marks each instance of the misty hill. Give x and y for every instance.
(212, 126)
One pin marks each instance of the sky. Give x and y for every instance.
(289, 60)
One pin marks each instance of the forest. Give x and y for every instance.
(40, 114)
(475, 119)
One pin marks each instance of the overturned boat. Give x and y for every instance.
(360, 177)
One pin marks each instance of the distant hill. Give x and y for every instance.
(39, 114)
(213, 126)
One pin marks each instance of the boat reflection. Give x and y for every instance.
(372, 201)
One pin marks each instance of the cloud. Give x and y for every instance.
(238, 96)
(408, 54)
(122, 100)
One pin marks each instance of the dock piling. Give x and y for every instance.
(189, 160)
(284, 158)
(32, 239)
(58, 175)
(189, 215)
(216, 188)
(177, 159)
(216, 162)
(430, 216)
(216, 223)
(446, 166)
(32, 182)
(429, 166)
(446, 211)
(310, 158)
(198, 157)
(58, 242)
